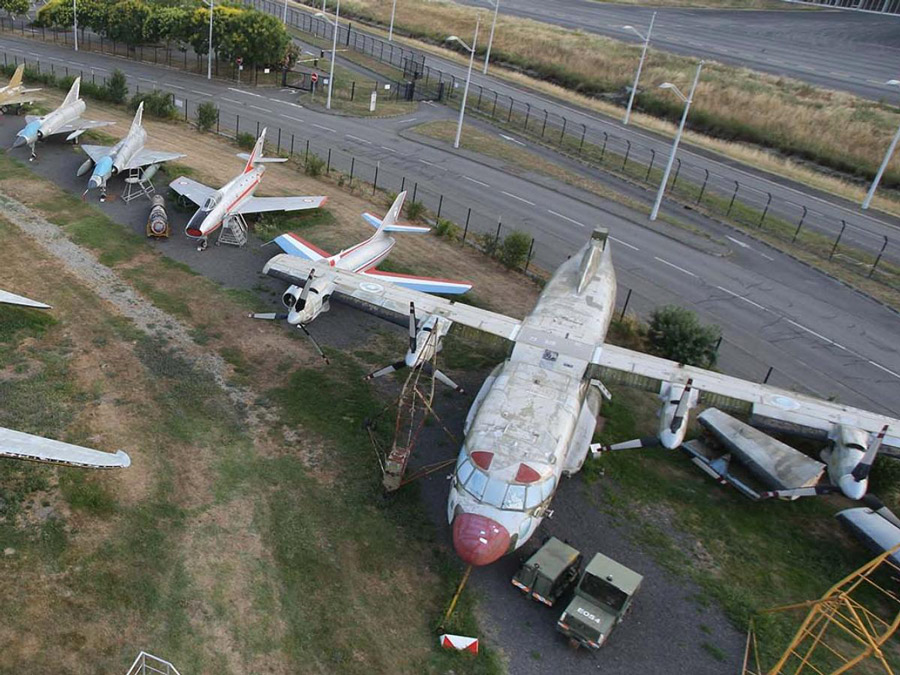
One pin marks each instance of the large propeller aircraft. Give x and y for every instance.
(15, 93)
(235, 199)
(126, 155)
(66, 119)
(534, 417)
(19, 445)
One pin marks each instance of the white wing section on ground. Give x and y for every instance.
(424, 284)
(96, 152)
(80, 125)
(380, 294)
(146, 157)
(261, 204)
(196, 192)
(19, 445)
(13, 299)
(761, 399)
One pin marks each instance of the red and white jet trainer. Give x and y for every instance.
(306, 303)
(235, 199)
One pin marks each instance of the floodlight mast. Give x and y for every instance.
(487, 55)
(75, 22)
(391, 29)
(471, 50)
(887, 158)
(637, 75)
(335, 24)
(209, 47)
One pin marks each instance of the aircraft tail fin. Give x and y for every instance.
(138, 117)
(256, 157)
(73, 94)
(16, 78)
(389, 222)
(591, 260)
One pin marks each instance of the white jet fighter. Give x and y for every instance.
(66, 119)
(126, 155)
(19, 445)
(533, 419)
(15, 93)
(305, 301)
(235, 199)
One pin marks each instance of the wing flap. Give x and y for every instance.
(191, 189)
(263, 204)
(19, 445)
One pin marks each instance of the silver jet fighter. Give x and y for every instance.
(66, 119)
(533, 419)
(15, 93)
(235, 199)
(127, 155)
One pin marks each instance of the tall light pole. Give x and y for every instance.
(209, 49)
(284, 16)
(637, 75)
(487, 55)
(75, 22)
(687, 106)
(471, 50)
(887, 158)
(391, 29)
(335, 25)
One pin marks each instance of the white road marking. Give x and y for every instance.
(680, 269)
(289, 117)
(248, 93)
(767, 257)
(475, 181)
(259, 108)
(887, 370)
(144, 79)
(319, 126)
(411, 119)
(559, 215)
(357, 138)
(521, 199)
(625, 243)
(512, 140)
(426, 162)
(175, 86)
(739, 243)
(812, 332)
(199, 93)
(741, 297)
(231, 100)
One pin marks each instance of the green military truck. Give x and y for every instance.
(550, 572)
(602, 598)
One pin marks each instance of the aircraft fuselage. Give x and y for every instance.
(224, 203)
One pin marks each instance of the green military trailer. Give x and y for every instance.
(601, 599)
(550, 572)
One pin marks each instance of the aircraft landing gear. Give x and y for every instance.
(203, 244)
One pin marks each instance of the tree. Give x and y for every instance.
(117, 87)
(207, 115)
(168, 24)
(259, 39)
(675, 333)
(126, 21)
(14, 7)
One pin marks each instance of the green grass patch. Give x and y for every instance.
(270, 225)
(83, 492)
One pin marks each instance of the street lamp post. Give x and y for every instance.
(887, 158)
(209, 48)
(487, 55)
(687, 106)
(637, 75)
(335, 25)
(391, 29)
(284, 16)
(471, 50)
(75, 22)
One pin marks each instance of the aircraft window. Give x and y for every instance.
(515, 498)
(856, 446)
(464, 471)
(211, 202)
(494, 492)
(463, 456)
(533, 496)
(524, 526)
(477, 483)
(547, 487)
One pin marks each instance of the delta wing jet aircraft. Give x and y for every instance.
(66, 119)
(235, 199)
(305, 301)
(18, 445)
(15, 93)
(533, 419)
(126, 155)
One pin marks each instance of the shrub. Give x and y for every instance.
(487, 243)
(315, 165)
(514, 249)
(245, 140)
(116, 87)
(884, 479)
(415, 210)
(447, 229)
(675, 333)
(207, 115)
(156, 103)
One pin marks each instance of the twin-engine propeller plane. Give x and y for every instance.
(534, 417)
(235, 199)
(15, 94)
(128, 155)
(19, 445)
(66, 119)
(307, 298)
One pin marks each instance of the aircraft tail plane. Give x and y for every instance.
(72, 96)
(256, 157)
(389, 222)
(138, 118)
(16, 79)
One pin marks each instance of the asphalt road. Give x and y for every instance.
(849, 51)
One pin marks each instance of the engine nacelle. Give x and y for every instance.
(289, 299)
(677, 401)
(85, 167)
(150, 171)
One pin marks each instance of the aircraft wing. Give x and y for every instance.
(260, 204)
(31, 118)
(147, 157)
(424, 284)
(20, 445)
(622, 365)
(365, 290)
(96, 152)
(20, 98)
(13, 299)
(79, 124)
(196, 192)
(298, 246)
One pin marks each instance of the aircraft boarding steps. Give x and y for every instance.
(147, 664)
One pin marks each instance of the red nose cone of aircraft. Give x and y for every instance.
(478, 540)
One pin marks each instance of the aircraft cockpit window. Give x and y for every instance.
(533, 496)
(494, 492)
(476, 484)
(211, 202)
(464, 471)
(547, 487)
(515, 498)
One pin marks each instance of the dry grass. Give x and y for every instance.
(835, 129)
(717, 4)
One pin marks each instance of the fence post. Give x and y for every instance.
(650, 167)
(497, 236)
(440, 204)
(765, 210)
(627, 152)
(528, 257)
(878, 259)
(375, 184)
(703, 187)
(415, 190)
(527, 114)
(625, 306)
(402, 183)
(352, 166)
(736, 188)
(562, 133)
(237, 131)
(306, 155)
(838, 240)
(768, 374)
(496, 94)
(352, 89)
(509, 116)
(466, 230)
(328, 166)
(677, 169)
(799, 225)
(544, 128)
(583, 132)
(292, 146)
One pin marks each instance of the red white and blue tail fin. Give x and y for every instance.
(389, 222)
(256, 157)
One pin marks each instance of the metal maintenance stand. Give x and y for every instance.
(137, 186)
(233, 232)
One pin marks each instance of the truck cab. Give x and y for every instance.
(549, 572)
(602, 597)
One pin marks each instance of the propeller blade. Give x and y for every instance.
(313, 340)
(793, 493)
(878, 507)
(647, 442)
(861, 471)
(412, 328)
(446, 380)
(386, 370)
(304, 293)
(682, 408)
(269, 316)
